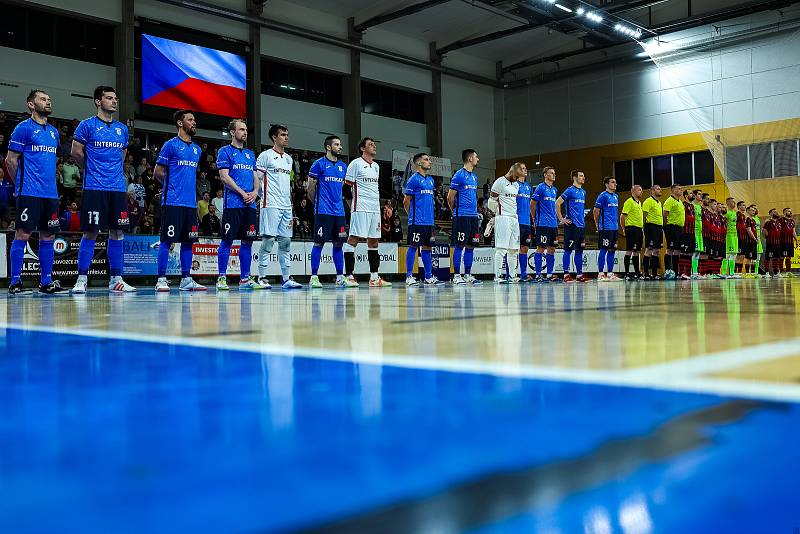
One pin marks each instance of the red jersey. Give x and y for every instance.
(688, 226)
(707, 228)
(787, 230)
(773, 228)
(751, 224)
(741, 225)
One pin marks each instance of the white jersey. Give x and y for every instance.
(276, 179)
(364, 178)
(507, 196)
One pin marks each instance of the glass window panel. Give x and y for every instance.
(624, 175)
(703, 167)
(761, 161)
(736, 163)
(682, 168)
(642, 172)
(662, 171)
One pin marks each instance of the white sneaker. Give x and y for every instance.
(340, 281)
(613, 278)
(314, 282)
(433, 281)
(118, 285)
(458, 280)
(350, 281)
(411, 281)
(162, 286)
(80, 286)
(222, 283)
(601, 277)
(263, 283)
(188, 284)
(468, 278)
(501, 280)
(291, 284)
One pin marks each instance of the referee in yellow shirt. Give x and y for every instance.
(632, 221)
(674, 219)
(653, 233)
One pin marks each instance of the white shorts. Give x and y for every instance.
(275, 222)
(365, 225)
(506, 232)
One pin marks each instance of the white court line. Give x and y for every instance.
(638, 378)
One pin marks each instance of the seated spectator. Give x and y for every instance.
(71, 219)
(219, 201)
(142, 167)
(134, 212)
(139, 191)
(391, 229)
(209, 225)
(202, 206)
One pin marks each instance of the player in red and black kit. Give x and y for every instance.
(687, 239)
(741, 231)
(708, 242)
(719, 231)
(773, 228)
(750, 248)
(789, 240)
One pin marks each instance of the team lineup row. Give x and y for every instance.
(257, 200)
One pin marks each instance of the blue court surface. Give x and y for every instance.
(112, 435)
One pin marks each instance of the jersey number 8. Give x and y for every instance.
(170, 231)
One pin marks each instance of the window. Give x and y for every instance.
(45, 32)
(690, 168)
(736, 163)
(682, 169)
(300, 83)
(388, 101)
(624, 175)
(642, 172)
(662, 171)
(786, 158)
(703, 167)
(761, 161)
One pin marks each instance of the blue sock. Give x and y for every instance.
(457, 253)
(223, 255)
(46, 255)
(316, 258)
(186, 258)
(245, 259)
(565, 260)
(551, 263)
(411, 257)
(115, 259)
(427, 261)
(610, 260)
(163, 259)
(469, 254)
(601, 259)
(86, 253)
(523, 264)
(579, 261)
(338, 259)
(17, 258)
(537, 262)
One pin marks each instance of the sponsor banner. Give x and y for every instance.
(440, 166)
(65, 259)
(484, 261)
(3, 256)
(388, 251)
(441, 261)
(140, 256)
(206, 253)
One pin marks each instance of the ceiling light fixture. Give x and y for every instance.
(563, 8)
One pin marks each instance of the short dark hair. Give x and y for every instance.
(232, 124)
(544, 171)
(608, 179)
(574, 174)
(786, 208)
(32, 94)
(772, 209)
(705, 195)
(329, 141)
(363, 143)
(100, 89)
(275, 129)
(686, 192)
(751, 206)
(740, 203)
(729, 198)
(674, 186)
(418, 156)
(180, 114)
(467, 153)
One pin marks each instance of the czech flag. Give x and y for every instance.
(185, 76)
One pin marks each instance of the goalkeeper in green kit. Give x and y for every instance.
(731, 240)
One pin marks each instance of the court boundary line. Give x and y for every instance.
(661, 377)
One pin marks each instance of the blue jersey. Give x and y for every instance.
(545, 196)
(330, 177)
(37, 145)
(524, 203)
(465, 184)
(179, 159)
(241, 164)
(608, 204)
(574, 203)
(104, 143)
(420, 189)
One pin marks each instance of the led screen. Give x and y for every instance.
(185, 76)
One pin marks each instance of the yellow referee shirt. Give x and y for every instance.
(654, 214)
(632, 209)
(677, 214)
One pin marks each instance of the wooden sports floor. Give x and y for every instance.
(624, 407)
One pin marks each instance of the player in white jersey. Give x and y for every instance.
(503, 201)
(274, 167)
(363, 175)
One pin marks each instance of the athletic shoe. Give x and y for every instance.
(613, 278)
(314, 283)
(685, 276)
(411, 281)
(162, 286)
(19, 290)
(514, 280)
(553, 278)
(80, 286)
(53, 288)
(118, 285)
(501, 280)
(601, 277)
(583, 278)
(568, 278)
(718, 276)
(788, 274)
(433, 281)
(539, 279)
(529, 279)
(350, 281)
(458, 280)
(263, 283)
(188, 284)
(669, 275)
(737, 276)
(696, 276)
(340, 281)
(291, 284)
(379, 282)
(222, 283)
(248, 284)
(767, 275)
(468, 278)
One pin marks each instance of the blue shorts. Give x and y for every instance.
(329, 228)
(104, 210)
(574, 237)
(420, 235)
(607, 240)
(239, 223)
(525, 235)
(36, 213)
(179, 223)
(546, 237)
(466, 232)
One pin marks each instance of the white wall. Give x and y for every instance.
(377, 69)
(468, 121)
(304, 51)
(308, 123)
(394, 134)
(23, 71)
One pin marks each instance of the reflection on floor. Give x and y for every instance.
(553, 408)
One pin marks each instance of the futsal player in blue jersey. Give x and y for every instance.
(31, 162)
(419, 204)
(237, 170)
(543, 204)
(463, 201)
(574, 201)
(176, 168)
(525, 229)
(606, 218)
(99, 145)
(325, 181)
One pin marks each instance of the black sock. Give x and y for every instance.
(635, 259)
(646, 265)
(349, 262)
(374, 260)
(627, 264)
(654, 265)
